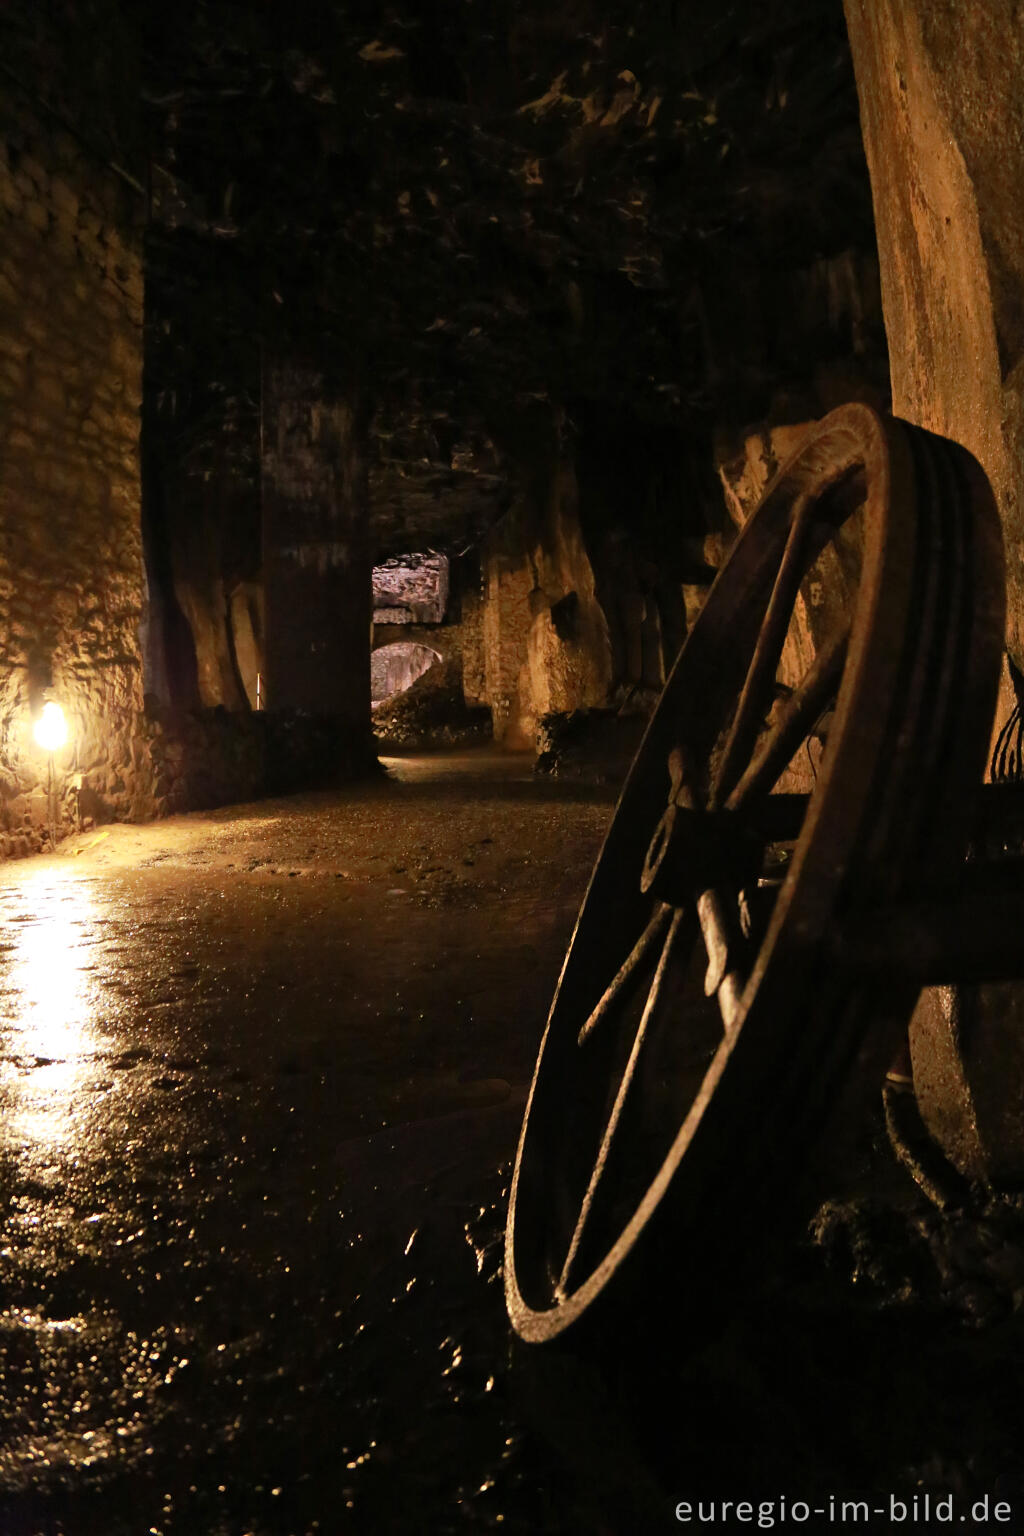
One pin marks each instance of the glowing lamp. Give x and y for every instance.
(51, 728)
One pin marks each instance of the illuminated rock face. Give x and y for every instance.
(71, 575)
(545, 637)
(410, 589)
(942, 109)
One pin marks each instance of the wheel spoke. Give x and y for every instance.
(615, 991)
(722, 938)
(620, 1100)
(795, 721)
(750, 710)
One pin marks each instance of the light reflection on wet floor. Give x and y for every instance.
(51, 1033)
(225, 1105)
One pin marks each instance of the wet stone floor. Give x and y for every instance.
(261, 1075)
(261, 1072)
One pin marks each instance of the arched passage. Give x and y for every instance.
(394, 668)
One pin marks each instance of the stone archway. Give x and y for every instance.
(394, 668)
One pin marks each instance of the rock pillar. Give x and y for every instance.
(316, 563)
(941, 88)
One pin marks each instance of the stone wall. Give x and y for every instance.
(71, 576)
(73, 590)
(206, 503)
(644, 501)
(205, 758)
(474, 683)
(941, 91)
(545, 637)
(583, 603)
(942, 112)
(201, 507)
(505, 626)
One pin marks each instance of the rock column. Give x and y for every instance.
(316, 564)
(941, 88)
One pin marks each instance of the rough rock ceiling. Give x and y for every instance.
(411, 589)
(469, 207)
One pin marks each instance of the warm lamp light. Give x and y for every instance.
(51, 728)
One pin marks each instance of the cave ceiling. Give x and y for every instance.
(478, 210)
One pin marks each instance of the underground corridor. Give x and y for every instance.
(511, 766)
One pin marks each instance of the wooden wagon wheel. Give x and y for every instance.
(703, 1019)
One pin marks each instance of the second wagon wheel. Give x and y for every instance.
(701, 1023)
